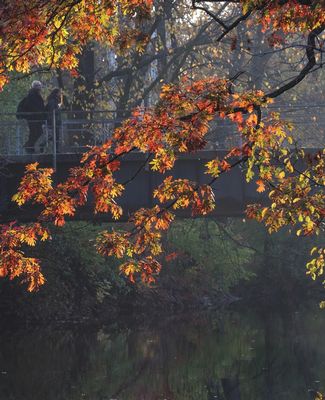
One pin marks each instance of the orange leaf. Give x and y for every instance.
(261, 186)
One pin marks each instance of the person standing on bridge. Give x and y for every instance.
(33, 109)
(53, 107)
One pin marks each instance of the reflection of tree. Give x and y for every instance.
(268, 356)
(289, 358)
(214, 391)
(305, 357)
(165, 365)
(131, 381)
(231, 388)
(43, 364)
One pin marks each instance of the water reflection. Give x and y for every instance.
(240, 357)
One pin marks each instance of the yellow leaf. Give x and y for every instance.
(45, 236)
(264, 211)
(281, 175)
(313, 250)
(289, 166)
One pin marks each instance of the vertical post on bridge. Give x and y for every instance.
(18, 137)
(54, 139)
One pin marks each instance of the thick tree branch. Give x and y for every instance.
(310, 53)
(211, 14)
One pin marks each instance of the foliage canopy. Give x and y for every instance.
(48, 34)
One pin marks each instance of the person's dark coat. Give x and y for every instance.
(34, 103)
(35, 114)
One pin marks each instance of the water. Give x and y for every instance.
(240, 356)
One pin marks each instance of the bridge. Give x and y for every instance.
(231, 190)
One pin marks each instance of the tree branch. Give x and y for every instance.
(310, 53)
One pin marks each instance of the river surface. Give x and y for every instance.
(238, 356)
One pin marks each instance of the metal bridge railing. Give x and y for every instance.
(74, 131)
(71, 132)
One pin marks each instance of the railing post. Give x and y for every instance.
(46, 136)
(18, 144)
(8, 140)
(61, 138)
(54, 139)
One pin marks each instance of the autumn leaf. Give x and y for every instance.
(260, 186)
(171, 256)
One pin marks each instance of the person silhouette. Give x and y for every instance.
(34, 113)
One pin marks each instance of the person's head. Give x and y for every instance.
(37, 85)
(56, 93)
